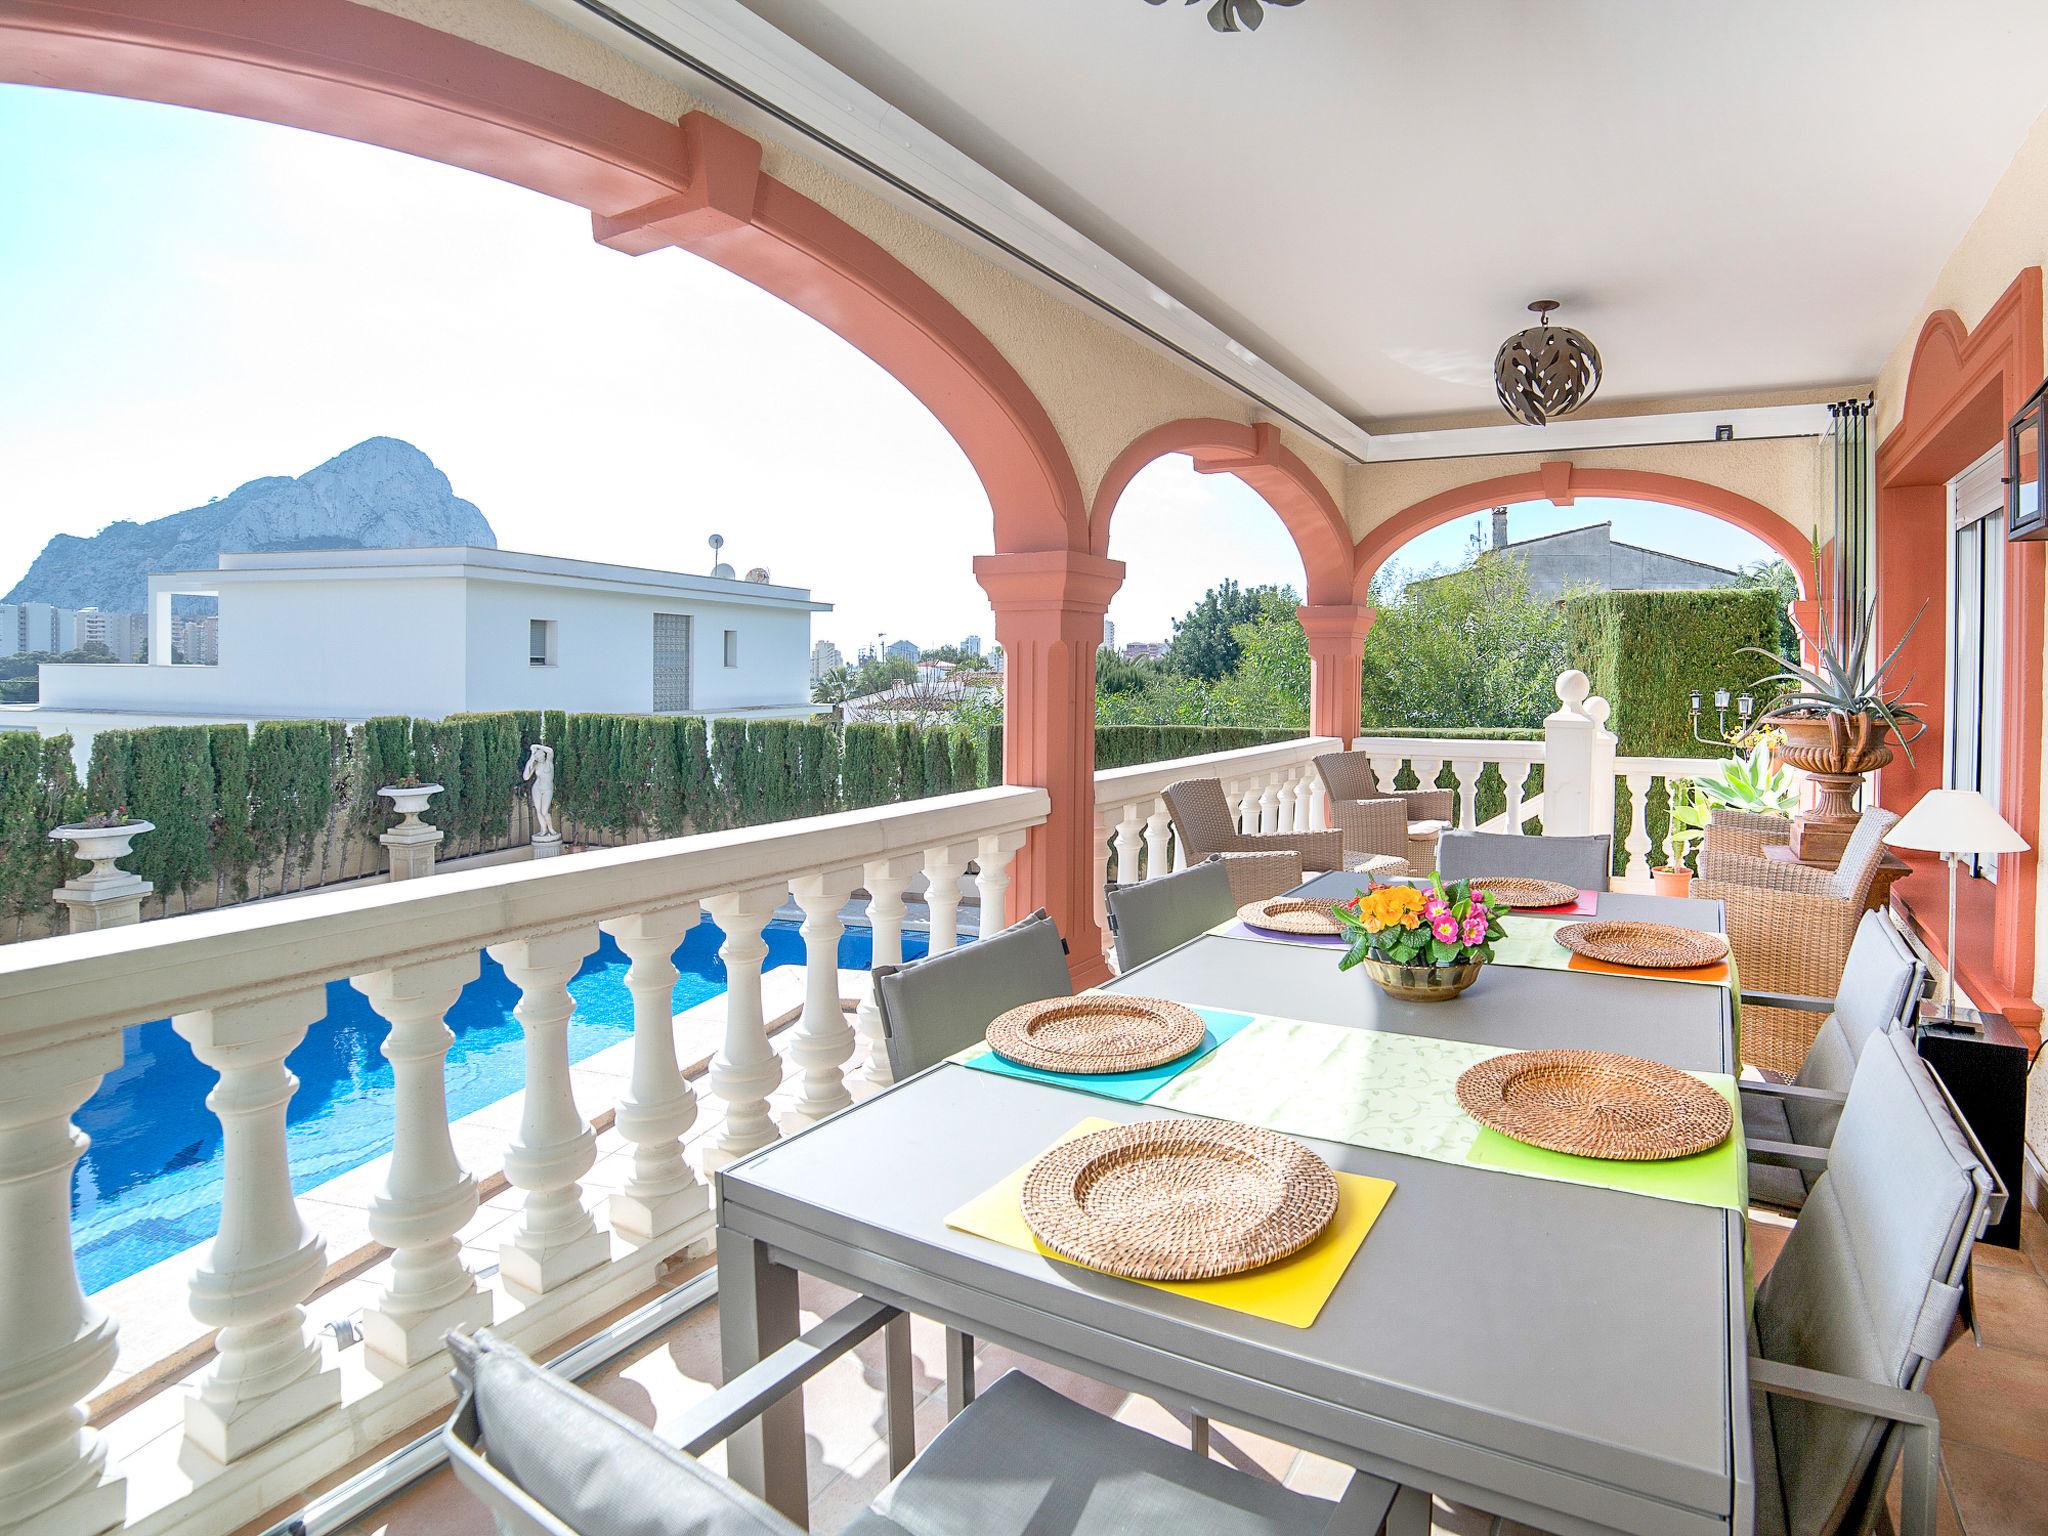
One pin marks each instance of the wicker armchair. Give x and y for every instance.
(1790, 925)
(1259, 864)
(1404, 822)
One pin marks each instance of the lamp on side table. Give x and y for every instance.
(1954, 823)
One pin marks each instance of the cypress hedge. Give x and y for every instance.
(39, 790)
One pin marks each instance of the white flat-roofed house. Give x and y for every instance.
(348, 634)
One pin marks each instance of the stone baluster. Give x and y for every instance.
(993, 855)
(1638, 842)
(1130, 846)
(663, 1199)
(1467, 771)
(1269, 804)
(264, 1261)
(823, 1039)
(1427, 772)
(1180, 849)
(56, 1347)
(1308, 805)
(886, 880)
(746, 1070)
(1672, 790)
(426, 1197)
(555, 1240)
(1516, 777)
(1385, 770)
(1158, 841)
(943, 869)
(1246, 795)
(1105, 832)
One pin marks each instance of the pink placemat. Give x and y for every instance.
(1587, 904)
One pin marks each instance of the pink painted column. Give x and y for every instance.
(1049, 608)
(1336, 649)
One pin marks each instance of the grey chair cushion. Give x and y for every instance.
(1150, 917)
(1763, 1119)
(1583, 862)
(1025, 1461)
(943, 1003)
(1880, 985)
(593, 1469)
(1862, 1284)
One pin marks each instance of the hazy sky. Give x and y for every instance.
(195, 301)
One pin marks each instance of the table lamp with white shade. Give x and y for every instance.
(1954, 823)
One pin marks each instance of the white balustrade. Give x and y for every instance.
(267, 1374)
(943, 870)
(1638, 841)
(1467, 770)
(1130, 845)
(555, 1240)
(1515, 778)
(426, 1197)
(992, 857)
(1105, 836)
(823, 1039)
(886, 880)
(664, 1195)
(55, 1345)
(746, 1069)
(1269, 804)
(1158, 841)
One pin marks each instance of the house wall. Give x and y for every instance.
(1583, 557)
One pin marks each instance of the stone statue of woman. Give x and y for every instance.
(540, 772)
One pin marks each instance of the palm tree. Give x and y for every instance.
(834, 686)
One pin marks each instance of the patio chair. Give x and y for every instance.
(1790, 926)
(1403, 822)
(1149, 917)
(1861, 1301)
(1259, 864)
(546, 1458)
(1881, 987)
(1583, 863)
(941, 1004)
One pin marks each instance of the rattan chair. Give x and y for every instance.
(1260, 864)
(1402, 822)
(1790, 925)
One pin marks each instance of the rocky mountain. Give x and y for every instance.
(380, 494)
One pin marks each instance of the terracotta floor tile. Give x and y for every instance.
(1992, 1398)
(2034, 1239)
(1998, 1495)
(2012, 1310)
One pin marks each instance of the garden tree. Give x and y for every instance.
(232, 847)
(910, 760)
(723, 807)
(38, 790)
(1468, 648)
(1777, 577)
(1203, 644)
(1115, 674)
(1269, 686)
(833, 686)
(952, 653)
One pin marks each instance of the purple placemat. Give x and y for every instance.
(1238, 928)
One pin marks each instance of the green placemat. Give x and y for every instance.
(1719, 1176)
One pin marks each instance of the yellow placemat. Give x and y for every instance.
(1290, 1290)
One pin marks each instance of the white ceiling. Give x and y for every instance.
(1735, 196)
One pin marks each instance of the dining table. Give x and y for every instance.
(1570, 1356)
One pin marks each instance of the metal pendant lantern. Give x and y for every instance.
(1546, 371)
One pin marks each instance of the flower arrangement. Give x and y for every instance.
(100, 821)
(1442, 926)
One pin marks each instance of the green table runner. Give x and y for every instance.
(1398, 1093)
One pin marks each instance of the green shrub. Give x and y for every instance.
(39, 790)
(909, 761)
(725, 805)
(232, 847)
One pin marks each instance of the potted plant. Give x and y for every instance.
(1836, 726)
(1756, 783)
(1421, 945)
(103, 837)
(409, 797)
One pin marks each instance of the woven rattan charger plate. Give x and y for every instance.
(1178, 1199)
(1595, 1104)
(1292, 914)
(1096, 1034)
(1652, 946)
(1521, 891)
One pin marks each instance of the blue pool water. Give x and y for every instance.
(149, 1187)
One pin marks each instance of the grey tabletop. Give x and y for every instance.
(1679, 911)
(1681, 1024)
(1547, 1346)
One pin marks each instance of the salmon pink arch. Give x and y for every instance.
(350, 72)
(1256, 456)
(1561, 482)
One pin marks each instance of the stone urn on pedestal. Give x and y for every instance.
(411, 844)
(105, 896)
(1838, 726)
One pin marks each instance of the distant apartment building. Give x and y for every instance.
(825, 656)
(348, 634)
(198, 642)
(125, 635)
(971, 646)
(26, 628)
(1144, 650)
(1109, 636)
(907, 649)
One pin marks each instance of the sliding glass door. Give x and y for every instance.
(1976, 640)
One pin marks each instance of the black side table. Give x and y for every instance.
(1986, 1074)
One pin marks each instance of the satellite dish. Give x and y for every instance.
(758, 575)
(717, 542)
(722, 572)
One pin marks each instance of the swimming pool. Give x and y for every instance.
(149, 1186)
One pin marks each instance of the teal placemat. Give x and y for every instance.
(1135, 1087)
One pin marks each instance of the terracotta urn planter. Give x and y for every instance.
(1835, 751)
(1671, 880)
(1422, 983)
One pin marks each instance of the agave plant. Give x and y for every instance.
(1752, 783)
(1235, 15)
(1844, 682)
